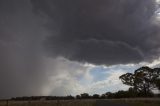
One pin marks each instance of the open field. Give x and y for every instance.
(105, 102)
(129, 102)
(50, 103)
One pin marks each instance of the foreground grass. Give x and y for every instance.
(129, 102)
(50, 103)
(144, 103)
(139, 102)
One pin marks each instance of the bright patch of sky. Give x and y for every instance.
(158, 1)
(75, 78)
(106, 79)
(157, 12)
(99, 73)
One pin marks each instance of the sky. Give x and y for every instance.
(68, 47)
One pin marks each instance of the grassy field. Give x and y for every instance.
(143, 102)
(139, 101)
(129, 102)
(50, 103)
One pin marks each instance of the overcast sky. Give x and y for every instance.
(63, 47)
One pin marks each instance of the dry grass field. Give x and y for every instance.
(50, 103)
(124, 102)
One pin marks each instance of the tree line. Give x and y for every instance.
(142, 84)
(143, 81)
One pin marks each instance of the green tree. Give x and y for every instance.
(96, 96)
(103, 96)
(109, 95)
(78, 97)
(85, 96)
(143, 79)
(158, 83)
(132, 92)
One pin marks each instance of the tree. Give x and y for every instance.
(121, 94)
(143, 79)
(158, 83)
(110, 95)
(78, 97)
(103, 96)
(132, 92)
(85, 96)
(96, 96)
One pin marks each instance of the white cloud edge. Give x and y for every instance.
(64, 77)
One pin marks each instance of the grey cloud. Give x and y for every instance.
(95, 31)
(24, 69)
(101, 31)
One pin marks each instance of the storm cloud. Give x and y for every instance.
(45, 43)
(101, 31)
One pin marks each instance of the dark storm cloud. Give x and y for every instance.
(95, 31)
(101, 31)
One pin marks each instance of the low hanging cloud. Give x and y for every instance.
(101, 31)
